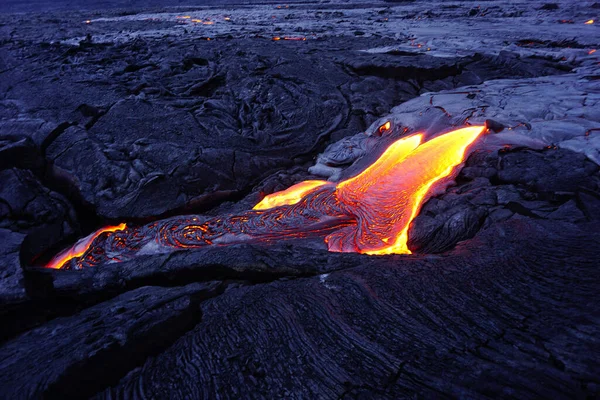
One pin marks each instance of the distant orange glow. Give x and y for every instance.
(592, 51)
(208, 23)
(291, 195)
(385, 127)
(81, 247)
(589, 22)
(292, 38)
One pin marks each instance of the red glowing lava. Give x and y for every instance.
(369, 213)
(81, 247)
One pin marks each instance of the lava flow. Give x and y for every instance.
(369, 213)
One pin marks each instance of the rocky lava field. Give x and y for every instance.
(140, 114)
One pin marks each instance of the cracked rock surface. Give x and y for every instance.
(112, 114)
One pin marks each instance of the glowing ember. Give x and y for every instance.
(369, 213)
(589, 22)
(292, 38)
(592, 51)
(385, 127)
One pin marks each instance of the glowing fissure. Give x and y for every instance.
(369, 213)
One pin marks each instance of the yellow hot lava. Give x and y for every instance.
(289, 196)
(81, 247)
(387, 195)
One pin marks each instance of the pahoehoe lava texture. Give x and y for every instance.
(133, 115)
(473, 323)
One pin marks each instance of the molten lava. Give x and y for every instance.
(81, 247)
(388, 194)
(291, 195)
(369, 213)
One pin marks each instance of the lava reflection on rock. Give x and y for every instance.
(369, 213)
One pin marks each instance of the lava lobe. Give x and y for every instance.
(369, 213)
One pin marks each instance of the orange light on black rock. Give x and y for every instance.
(81, 247)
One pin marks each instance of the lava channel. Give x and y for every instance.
(369, 213)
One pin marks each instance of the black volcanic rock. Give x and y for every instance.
(549, 171)
(27, 206)
(133, 114)
(105, 340)
(12, 283)
(18, 151)
(495, 187)
(549, 7)
(477, 321)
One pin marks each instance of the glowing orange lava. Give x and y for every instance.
(81, 247)
(388, 195)
(589, 22)
(369, 213)
(291, 195)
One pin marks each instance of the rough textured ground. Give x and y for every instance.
(133, 114)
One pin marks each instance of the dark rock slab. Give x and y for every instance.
(553, 184)
(198, 125)
(403, 66)
(18, 151)
(556, 170)
(73, 357)
(497, 316)
(257, 263)
(12, 285)
(29, 207)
